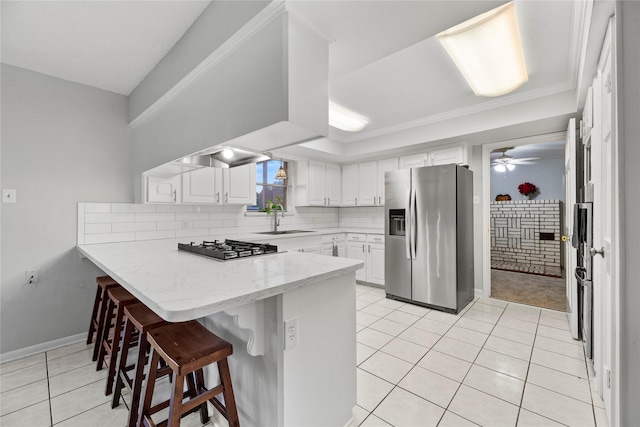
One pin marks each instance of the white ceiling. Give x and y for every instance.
(385, 63)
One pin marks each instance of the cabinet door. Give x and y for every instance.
(356, 250)
(316, 183)
(375, 263)
(163, 189)
(367, 183)
(350, 185)
(202, 186)
(240, 185)
(384, 166)
(413, 161)
(446, 156)
(332, 184)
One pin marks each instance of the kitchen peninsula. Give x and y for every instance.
(247, 301)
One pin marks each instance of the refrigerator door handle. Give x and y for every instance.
(413, 223)
(407, 237)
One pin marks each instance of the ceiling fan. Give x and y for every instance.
(505, 162)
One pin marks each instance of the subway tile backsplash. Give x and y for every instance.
(127, 222)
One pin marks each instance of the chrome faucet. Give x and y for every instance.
(276, 221)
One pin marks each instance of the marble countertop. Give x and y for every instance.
(181, 286)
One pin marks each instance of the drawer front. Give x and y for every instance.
(375, 238)
(357, 237)
(328, 238)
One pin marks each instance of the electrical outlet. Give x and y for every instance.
(8, 196)
(185, 224)
(32, 276)
(290, 333)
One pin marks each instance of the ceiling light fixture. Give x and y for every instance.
(488, 51)
(344, 119)
(281, 174)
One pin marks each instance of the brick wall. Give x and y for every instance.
(517, 227)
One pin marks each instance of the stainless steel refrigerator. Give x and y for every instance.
(429, 236)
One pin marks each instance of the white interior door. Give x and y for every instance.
(570, 261)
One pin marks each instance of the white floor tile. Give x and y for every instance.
(22, 363)
(401, 408)
(23, 397)
(443, 317)
(492, 301)
(76, 378)
(373, 421)
(389, 303)
(69, 349)
(457, 349)
(22, 377)
(557, 407)
(566, 384)
(559, 362)
(513, 323)
(365, 319)
(432, 325)
(420, 336)
(560, 347)
(601, 417)
(359, 415)
(361, 304)
(467, 335)
(100, 416)
(514, 335)
(37, 415)
(557, 334)
(402, 317)
(377, 310)
(481, 315)
(443, 364)
(372, 338)
(371, 390)
(554, 322)
(78, 401)
(369, 297)
(503, 363)
(488, 308)
(495, 383)
(429, 385)
(475, 325)
(529, 419)
(363, 352)
(388, 326)
(482, 408)
(405, 350)
(508, 347)
(449, 419)
(387, 367)
(415, 309)
(69, 362)
(522, 315)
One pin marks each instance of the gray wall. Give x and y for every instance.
(547, 174)
(628, 64)
(62, 143)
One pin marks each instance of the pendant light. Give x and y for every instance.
(281, 174)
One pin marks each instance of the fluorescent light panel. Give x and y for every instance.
(488, 51)
(344, 119)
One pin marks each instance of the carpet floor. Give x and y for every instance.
(531, 289)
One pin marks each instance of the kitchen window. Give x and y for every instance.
(267, 186)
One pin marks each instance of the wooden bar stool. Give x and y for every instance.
(138, 317)
(118, 299)
(99, 312)
(186, 348)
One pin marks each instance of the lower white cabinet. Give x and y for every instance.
(328, 240)
(309, 244)
(370, 250)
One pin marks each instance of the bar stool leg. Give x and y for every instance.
(102, 320)
(148, 388)
(176, 401)
(106, 330)
(229, 399)
(115, 347)
(94, 313)
(122, 363)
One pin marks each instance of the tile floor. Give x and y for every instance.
(495, 364)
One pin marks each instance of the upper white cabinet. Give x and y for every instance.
(235, 186)
(162, 189)
(363, 183)
(414, 161)
(442, 156)
(350, 185)
(317, 184)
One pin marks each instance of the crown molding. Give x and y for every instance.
(264, 17)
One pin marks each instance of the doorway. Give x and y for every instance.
(525, 196)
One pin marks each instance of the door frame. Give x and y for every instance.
(486, 194)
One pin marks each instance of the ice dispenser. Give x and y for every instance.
(396, 222)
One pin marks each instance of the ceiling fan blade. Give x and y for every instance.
(527, 158)
(525, 162)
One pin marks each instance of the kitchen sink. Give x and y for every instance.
(277, 233)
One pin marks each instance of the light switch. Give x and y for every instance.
(8, 196)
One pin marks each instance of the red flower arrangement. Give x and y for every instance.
(527, 188)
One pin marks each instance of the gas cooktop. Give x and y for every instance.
(228, 249)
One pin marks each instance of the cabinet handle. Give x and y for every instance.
(356, 200)
(369, 248)
(325, 201)
(379, 200)
(175, 195)
(363, 247)
(328, 200)
(218, 197)
(226, 197)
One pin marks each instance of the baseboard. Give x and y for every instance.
(478, 293)
(39, 348)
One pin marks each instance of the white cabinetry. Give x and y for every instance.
(414, 161)
(162, 189)
(328, 240)
(356, 247)
(384, 166)
(309, 244)
(375, 259)
(367, 183)
(350, 185)
(444, 156)
(205, 186)
(317, 184)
